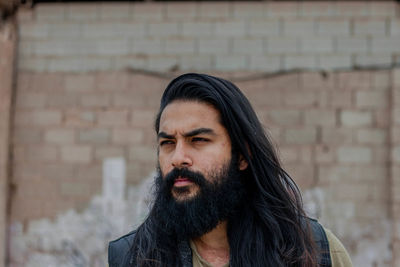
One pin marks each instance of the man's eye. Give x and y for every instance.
(166, 142)
(199, 139)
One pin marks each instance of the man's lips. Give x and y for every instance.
(179, 182)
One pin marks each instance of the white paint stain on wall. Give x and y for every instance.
(369, 245)
(81, 239)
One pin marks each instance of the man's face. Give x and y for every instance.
(199, 183)
(192, 137)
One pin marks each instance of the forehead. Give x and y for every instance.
(187, 115)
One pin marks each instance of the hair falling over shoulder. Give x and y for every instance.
(270, 227)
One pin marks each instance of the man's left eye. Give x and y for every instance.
(199, 139)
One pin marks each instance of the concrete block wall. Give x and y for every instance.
(66, 124)
(225, 36)
(333, 137)
(395, 167)
(8, 37)
(334, 131)
(337, 131)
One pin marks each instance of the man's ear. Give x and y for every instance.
(242, 163)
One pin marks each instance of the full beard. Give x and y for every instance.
(217, 199)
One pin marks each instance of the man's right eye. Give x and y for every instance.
(166, 142)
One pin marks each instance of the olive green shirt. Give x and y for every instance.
(339, 255)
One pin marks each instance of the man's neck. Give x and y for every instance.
(214, 246)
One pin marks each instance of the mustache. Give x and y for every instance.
(195, 177)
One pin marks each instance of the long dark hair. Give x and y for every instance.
(270, 228)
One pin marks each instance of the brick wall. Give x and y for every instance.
(66, 124)
(7, 51)
(333, 136)
(264, 36)
(333, 130)
(395, 170)
(337, 131)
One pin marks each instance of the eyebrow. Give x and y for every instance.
(188, 134)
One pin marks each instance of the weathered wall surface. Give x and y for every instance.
(228, 36)
(66, 124)
(337, 131)
(395, 166)
(332, 131)
(8, 36)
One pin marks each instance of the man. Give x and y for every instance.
(221, 196)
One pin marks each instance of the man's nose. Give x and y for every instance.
(180, 157)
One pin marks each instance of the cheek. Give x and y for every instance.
(163, 165)
(210, 164)
(221, 154)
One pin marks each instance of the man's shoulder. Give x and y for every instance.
(317, 230)
(339, 254)
(118, 249)
(331, 250)
(321, 241)
(125, 239)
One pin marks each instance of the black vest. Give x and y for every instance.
(119, 256)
